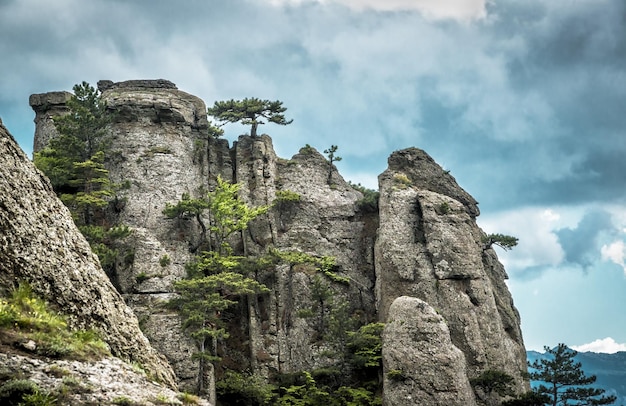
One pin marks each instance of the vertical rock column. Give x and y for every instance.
(158, 151)
(429, 247)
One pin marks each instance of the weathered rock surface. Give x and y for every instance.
(46, 107)
(40, 244)
(429, 247)
(423, 243)
(105, 382)
(421, 365)
(159, 149)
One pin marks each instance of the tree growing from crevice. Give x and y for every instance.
(249, 111)
(216, 279)
(506, 242)
(491, 385)
(330, 155)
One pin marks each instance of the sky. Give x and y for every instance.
(523, 101)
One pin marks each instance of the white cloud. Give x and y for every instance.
(614, 252)
(440, 9)
(534, 227)
(604, 345)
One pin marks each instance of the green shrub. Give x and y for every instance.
(188, 399)
(165, 260)
(444, 208)
(123, 401)
(141, 276)
(286, 196)
(13, 391)
(243, 389)
(401, 180)
(395, 375)
(369, 202)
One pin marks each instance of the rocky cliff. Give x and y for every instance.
(40, 245)
(417, 263)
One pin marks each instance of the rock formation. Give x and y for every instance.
(423, 245)
(40, 244)
(422, 366)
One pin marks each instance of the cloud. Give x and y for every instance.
(456, 9)
(538, 248)
(614, 252)
(604, 345)
(582, 244)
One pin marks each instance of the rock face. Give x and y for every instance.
(159, 149)
(108, 381)
(423, 244)
(430, 247)
(40, 244)
(420, 364)
(46, 107)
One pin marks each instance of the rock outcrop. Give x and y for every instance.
(108, 381)
(421, 365)
(423, 243)
(46, 107)
(40, 244)
(430, 247)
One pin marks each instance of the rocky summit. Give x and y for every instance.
(415, 261)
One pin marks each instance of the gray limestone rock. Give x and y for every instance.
(423, 243)
(421, 365)
(107, 381)
(46, 107)
(429, 247)
(40, 244)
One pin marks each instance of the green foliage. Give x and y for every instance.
(249, 111)
(506, 242)
(22, 392)
(165, 260)
(123, 401)
(307, 394)
(444, 208)
(348, 396)
(491, 383)
(214, 131)
(74, 162)
(330, 154)
(366, 345)
(188, 398)
(229, 213)
(29, 317)
(244, 389)
(306, 150)
(531, 398)
(325, 264)
(396, 375)
(565, 381)
(369, 202)
(401, 180)
(286, 196)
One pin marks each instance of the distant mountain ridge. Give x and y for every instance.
(610, 370)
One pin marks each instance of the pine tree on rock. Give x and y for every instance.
(249, 111)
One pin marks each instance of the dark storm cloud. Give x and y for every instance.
(581, 244)
(524, 107)
(573, 55)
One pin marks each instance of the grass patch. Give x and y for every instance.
(25, 318)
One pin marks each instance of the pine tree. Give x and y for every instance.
(249, 111)
(566, 382)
